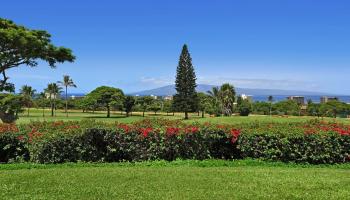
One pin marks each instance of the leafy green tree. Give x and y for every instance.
(313, 109)
(87, 103)
(185, 99)
(107, 96)
(204, 103)
(155, 107)
(129, 103)
(145, 102)
(10, 106)
(333, 108)
(287, 107)
(42, 102)
(262, 107)
(167, 106)
(22, 46)
(27, 92)
(227, 95)
(67, 82)
(245, 107)
(53, 91)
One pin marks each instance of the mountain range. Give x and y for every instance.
(170, 90)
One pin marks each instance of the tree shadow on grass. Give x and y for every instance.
(105, 117)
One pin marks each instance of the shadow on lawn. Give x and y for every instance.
(104, 117)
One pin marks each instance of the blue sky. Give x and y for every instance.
(135, 45)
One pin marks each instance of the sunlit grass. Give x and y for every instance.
(116, 116)
(177, 180)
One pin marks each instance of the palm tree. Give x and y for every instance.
(28, 93)
(53, 90)
(215, 95)
(227, 95)
(67, 82)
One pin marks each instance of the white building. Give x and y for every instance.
(247, 97)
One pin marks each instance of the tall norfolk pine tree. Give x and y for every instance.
(185, 100)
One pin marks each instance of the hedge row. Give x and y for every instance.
(111, 145)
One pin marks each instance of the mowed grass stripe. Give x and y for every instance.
(176, 182)
(116, 116)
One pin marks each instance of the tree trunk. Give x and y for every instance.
(55, 107)
(28, 112)
(127, 114)
(143, 114)
(202, 114)
(43, 111)
(66, 103)
(52, 107)
(108, 112)
(198, 113)
(173, 113)
(186, 115)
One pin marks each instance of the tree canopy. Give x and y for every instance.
(185, 99)
(145, 103)
(107, 96)
(22, 46)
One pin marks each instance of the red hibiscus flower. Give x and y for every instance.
(235, 133)
(145, 131)
(172, 131)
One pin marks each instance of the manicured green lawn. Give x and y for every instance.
(176, 180)
(37, 115)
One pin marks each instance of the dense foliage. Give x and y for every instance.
(107, 97)
(314, 142)
(185, 99)
(23, 46)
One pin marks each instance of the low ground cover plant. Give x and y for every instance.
(314, 142)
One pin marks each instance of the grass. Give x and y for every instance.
(37, 115)
(210, 179)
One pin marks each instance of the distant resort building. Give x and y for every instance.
(298, 99)
(73, 97)
(326, 99)
(52, 96)
(247, 97)
(168, 98)
(153, 96)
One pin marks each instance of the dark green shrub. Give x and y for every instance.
(312, 148)
(12, 148)
(58, 149)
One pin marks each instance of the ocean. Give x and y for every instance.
(315, 99)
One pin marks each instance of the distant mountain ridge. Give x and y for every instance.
(170, 90)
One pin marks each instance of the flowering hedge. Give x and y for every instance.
(56, 142)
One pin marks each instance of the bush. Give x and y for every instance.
(314, 142)
(12, 148)
(313, 149)
(102, 145)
